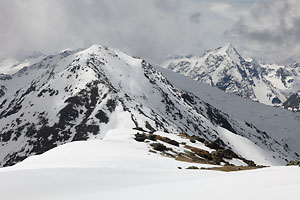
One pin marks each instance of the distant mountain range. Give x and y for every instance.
(226, 69)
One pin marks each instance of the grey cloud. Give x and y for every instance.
(195, 17)
(151, 29)
(271, 31)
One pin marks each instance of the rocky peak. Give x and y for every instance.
(226, 69)
(227, 51)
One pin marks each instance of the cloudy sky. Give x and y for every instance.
(268, 30)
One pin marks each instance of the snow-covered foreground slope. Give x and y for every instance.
(117, 149)
(118, 167)
(227, 70)
(81, 95)
(280, 124)
(274, 183)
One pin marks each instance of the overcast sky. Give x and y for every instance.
(268, 30)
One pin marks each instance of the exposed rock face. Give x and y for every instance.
(293, 102)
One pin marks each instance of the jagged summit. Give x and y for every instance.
(222, 68)
(227, 70)
(228, 49)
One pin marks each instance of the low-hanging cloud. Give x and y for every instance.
(150, 29)
(270, 31)
(195, 17)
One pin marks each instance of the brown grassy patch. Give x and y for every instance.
(184, 136)
(293, 163)
(167, 140)
(159, 147)
(142, 137)
(200, 152)
(191, 159)
(233, 168)
(193, 138)
(192, 167)
(193, 154)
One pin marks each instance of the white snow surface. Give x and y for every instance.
(247, 148)
(117, 149)
(117, 167)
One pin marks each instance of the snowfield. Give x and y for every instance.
(117, 167)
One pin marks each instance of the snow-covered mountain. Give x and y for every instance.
(227, 70)
(13, 64)
(82, 95)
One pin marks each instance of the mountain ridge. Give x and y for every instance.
(227, 70)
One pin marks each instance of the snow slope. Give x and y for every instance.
(280, 124)
(117, 168)
(117, 149)
(227, 70)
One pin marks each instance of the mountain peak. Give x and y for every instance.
(96, 46)
(229, 46)
(226, 69)
(225, 48)
(228, 50)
